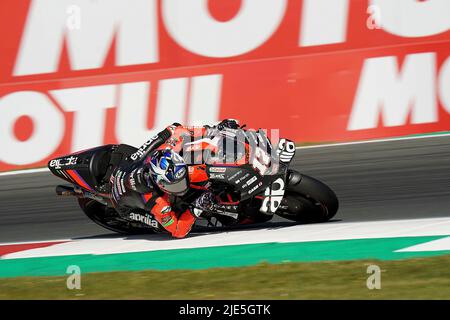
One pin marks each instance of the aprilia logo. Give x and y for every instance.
(141, 151)
(273, 196)
(146, 219)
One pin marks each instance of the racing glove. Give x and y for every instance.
(206, 202)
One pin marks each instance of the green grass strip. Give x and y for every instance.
(224, 256)
(423, 278)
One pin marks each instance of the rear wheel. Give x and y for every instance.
(107, 218)
(307, 200)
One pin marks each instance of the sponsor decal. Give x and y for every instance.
(132, 182)
(255, 188)
(167, 221)
(64, 162)
(142, 150)
(217, 176)
(187, 26)
(181, 172)
(118, 183)
(166, 209)
(286, 150)
(273, 196)
(228, 214)
(122, 184)
(217, 169)
(146, 219)
(235, 175)
(250, 182)
(245, 176)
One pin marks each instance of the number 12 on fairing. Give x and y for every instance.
(261, 161)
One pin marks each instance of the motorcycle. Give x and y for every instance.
(251, 179)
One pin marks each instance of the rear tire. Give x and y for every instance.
(98, 213)
(307, 200)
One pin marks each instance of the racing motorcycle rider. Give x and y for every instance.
(157, 171)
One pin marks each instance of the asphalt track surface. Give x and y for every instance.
(393, 180)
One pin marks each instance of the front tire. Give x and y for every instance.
(307, 200)
(98, 213)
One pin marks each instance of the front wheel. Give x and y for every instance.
(101, 215)
(307, 200)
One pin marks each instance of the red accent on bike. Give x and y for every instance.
(226, 164)
(231, 203)
(198, 187)
(79, 180)
(246, 221)
(146, 197)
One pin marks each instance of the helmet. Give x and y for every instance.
(228, 123)
(169, 171)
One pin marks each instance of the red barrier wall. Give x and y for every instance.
(75, 74)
